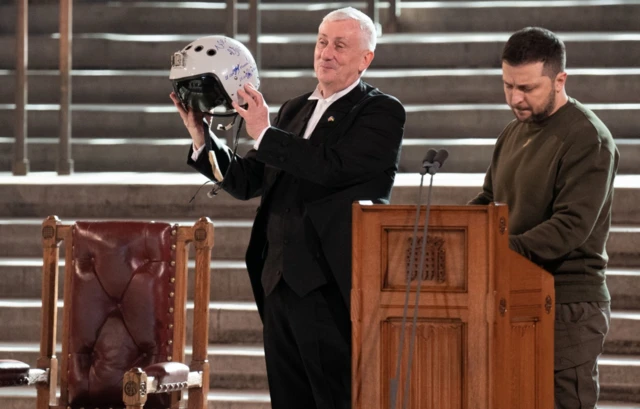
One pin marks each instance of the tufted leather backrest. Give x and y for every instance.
(121, 307)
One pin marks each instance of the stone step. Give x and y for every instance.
(467, 155)
(456, 188)
(229, 322)
(22, 237)
(164, 195)
(623, 246)
(415, 50)
(232, 366)
(22, 278)
(473, 155)
(239, 322)
(437, 121)
(196, 18)
(619, 378)
(242, 367)
(624, 333)
(411, 86)
(25, 398)
(623, 284)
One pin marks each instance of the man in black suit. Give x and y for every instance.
(324, 151)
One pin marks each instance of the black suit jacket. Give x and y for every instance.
(351, 155)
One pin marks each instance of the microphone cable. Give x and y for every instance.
(394, 382)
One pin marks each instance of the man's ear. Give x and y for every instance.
(366, 60)
(561, 80)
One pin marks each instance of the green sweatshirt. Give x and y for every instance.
(557, 179)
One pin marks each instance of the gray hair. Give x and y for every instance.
(366, 24)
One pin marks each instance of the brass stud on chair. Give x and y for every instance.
(173, 279)
(171, 310)
(170, 326)
(170, 342)
(173, 247)
(171, 294)
(173, 232)
(173, 263)
(169, 358)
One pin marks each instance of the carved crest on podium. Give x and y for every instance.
(434, 261)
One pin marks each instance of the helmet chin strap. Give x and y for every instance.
(226, 127)
(217, 185)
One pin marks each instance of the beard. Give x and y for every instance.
(537, 117)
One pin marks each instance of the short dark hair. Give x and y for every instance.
(536, 44)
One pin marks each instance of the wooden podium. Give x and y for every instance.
(484, 335)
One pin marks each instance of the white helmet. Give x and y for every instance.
(208, 73)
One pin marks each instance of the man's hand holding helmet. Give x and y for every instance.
(192, 121)
(256, 113)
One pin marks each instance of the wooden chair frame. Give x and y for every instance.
(137, 384)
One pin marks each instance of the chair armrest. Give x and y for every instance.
(13, 373)
(168, 372)
(163, 377)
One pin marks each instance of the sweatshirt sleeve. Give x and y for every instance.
(583, 185)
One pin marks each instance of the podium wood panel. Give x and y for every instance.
(484, 334)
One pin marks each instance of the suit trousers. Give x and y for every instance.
(580, 330)
(307, 342)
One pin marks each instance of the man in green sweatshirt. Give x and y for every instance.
(554, 166)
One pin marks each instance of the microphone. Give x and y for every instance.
(428, 161)
(432, 166)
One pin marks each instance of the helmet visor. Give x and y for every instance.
(202, 93)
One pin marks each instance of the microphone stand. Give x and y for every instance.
(432, 162)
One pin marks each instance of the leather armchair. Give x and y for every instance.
(124, 317)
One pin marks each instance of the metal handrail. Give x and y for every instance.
(394, 13)
(20, 162)
(373, 11)
(232, 19)
(65, 163)
(254, 30)
(391, 23)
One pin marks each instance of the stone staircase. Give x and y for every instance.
(130, 147)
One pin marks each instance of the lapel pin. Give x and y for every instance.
(331, 119)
